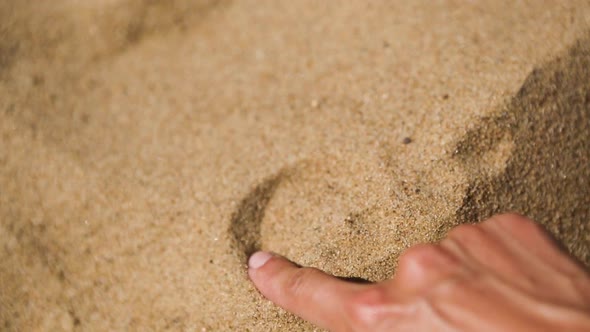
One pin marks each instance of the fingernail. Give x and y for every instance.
(258, 259)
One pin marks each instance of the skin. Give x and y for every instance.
(504, 274)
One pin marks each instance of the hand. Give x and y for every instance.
(504, 274)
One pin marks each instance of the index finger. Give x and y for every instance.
(307, 292)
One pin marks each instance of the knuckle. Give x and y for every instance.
(420, 256)
(368, 307)
(298, 282)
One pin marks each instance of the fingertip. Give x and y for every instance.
(258, 259)
(265, 270)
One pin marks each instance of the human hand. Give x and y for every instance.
(504, 274)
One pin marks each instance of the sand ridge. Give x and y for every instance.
(147, 147)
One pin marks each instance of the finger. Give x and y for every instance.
(531, 238)
(481, 250)
(307, 292)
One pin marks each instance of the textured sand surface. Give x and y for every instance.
(147, 147)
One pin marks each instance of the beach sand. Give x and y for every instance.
(148, 147)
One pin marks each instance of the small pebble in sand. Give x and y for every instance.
(407, 140)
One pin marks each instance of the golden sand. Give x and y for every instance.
(147, 147)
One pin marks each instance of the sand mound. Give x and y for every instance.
(545, 130)
(148, 147)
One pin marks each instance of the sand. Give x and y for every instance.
(147, 147)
